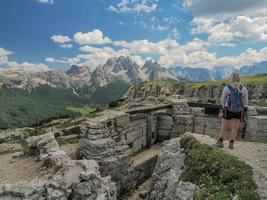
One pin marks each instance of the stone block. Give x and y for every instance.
(257, 128)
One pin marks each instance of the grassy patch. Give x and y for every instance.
(218, 174)
(68, 141)
(83, 111)
(257, 79)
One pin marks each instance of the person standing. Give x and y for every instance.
(234, 104)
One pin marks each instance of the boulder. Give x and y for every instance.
(166, 183)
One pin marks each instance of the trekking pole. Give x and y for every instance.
(244, 125)
(241, 124)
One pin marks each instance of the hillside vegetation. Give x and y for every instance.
(257, 79)
(218, 174)
(21, 108)
(201, 91)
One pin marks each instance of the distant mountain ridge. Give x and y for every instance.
(123, 68)
(218, 72)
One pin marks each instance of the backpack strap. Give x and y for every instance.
(230, 87)
(241, 87)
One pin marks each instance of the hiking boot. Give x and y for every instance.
(231, 144)
(219, 144)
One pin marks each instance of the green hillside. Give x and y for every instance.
(257, 79)
(21, 108)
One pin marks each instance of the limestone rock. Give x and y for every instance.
(166, 184)
(46, 143)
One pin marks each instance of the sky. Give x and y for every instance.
(39, 35)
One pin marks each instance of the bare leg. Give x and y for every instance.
(224, 126)
(235, 126)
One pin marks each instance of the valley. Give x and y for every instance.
(29, 98)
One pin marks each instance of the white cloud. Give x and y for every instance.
(25, 66)
(4, 52)
(134, 6)
(28, 67)
(60, 39)
(66, 46)
(242, 28)
(50, 59)
(249, 56)
(112, 8)
(94, 37)
(159, 27)
(174, 33)
(147, 47)
(46, 1)
(73, 60)
(219, 7)
(64, 60)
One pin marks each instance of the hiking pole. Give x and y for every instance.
(243, 124)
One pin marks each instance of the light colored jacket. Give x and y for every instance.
(226, 91)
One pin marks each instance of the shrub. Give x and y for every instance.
(218, 174)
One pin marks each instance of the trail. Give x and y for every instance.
(253, 153)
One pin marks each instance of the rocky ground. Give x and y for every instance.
(253, 153)
(15, 166)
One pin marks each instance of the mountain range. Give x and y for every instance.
(27, 98)
(123, 68)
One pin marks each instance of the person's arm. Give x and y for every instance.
(225, 94)
(245, 97)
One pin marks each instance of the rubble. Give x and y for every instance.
(72, 179)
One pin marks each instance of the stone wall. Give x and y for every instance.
(114, 136)
(166, 182)
(69, 179)
(257, 128)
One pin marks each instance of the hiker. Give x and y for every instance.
(234, 103)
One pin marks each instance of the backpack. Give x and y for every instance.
(235, 99)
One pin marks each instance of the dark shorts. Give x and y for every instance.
(231, 115)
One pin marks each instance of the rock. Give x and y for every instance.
(252, 111)
(18, 155)
(46, 143)
(143, 194)
(166, 184)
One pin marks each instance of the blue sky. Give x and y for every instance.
(37, 35)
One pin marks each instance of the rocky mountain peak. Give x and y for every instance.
(55, 78)
(99, 77)
(151, 65)
(81, 74)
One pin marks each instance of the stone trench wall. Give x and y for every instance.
(110, 140)
(69, 179)
(256, 124)
(113, 137)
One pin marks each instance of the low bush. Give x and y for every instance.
(218, 175)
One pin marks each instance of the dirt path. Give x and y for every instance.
(12, 170)
(253, 153)
(27, 168)
(147, 154)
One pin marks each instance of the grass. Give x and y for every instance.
(83, 111)
(217, 174)
(257, 79)
(68, 141)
